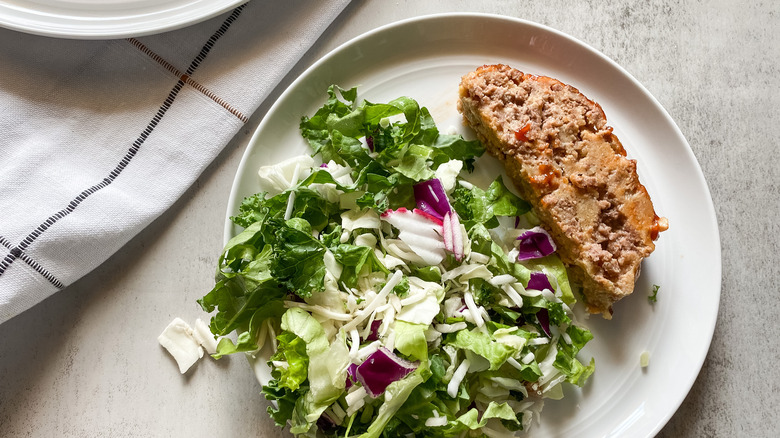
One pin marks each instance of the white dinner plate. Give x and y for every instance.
(424, 58)
(102, 19)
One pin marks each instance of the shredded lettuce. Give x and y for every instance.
(475, 205)
(483, 345)
(410, 340)
(327, 368)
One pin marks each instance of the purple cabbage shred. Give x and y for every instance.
(380, 369)
(535, 243)
(373, 334)
(431, 198)
(539, 281)
(544, 320)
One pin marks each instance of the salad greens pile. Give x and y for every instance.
(398, 298)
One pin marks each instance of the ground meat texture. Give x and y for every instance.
(568, 164)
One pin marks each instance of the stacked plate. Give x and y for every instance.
(104, 19)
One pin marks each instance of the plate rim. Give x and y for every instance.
(716, 271)
(90, 28)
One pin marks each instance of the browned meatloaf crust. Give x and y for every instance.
(569, 165)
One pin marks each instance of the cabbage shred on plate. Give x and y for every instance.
(398, 298)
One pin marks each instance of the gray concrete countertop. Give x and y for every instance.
(86, 362)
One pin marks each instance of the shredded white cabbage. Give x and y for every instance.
(436, 420)
(538, 341)
(466, 272)
(500, 280)
(479, 258)
(354, 219)
(279, 177)
(355, 399)
(457, 377)
(366, 351)
(355, 340)
(290, 204)
(280, 364)
(512, 294)
(366, 239)
(450, 328)
(333, 267)
(448, 172)
(324, 311)
(473, 310)
(338, 412)
(363, 314)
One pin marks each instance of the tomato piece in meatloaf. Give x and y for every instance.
(568, 164)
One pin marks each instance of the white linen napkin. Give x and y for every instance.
(98, 138)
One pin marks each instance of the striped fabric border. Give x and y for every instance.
(17, 252)
(187, 79)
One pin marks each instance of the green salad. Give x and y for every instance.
(398, 298)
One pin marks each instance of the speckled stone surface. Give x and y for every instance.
(86, 362)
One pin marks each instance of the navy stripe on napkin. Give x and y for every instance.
(18, 252)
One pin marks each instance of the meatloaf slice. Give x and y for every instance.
(569, 165)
